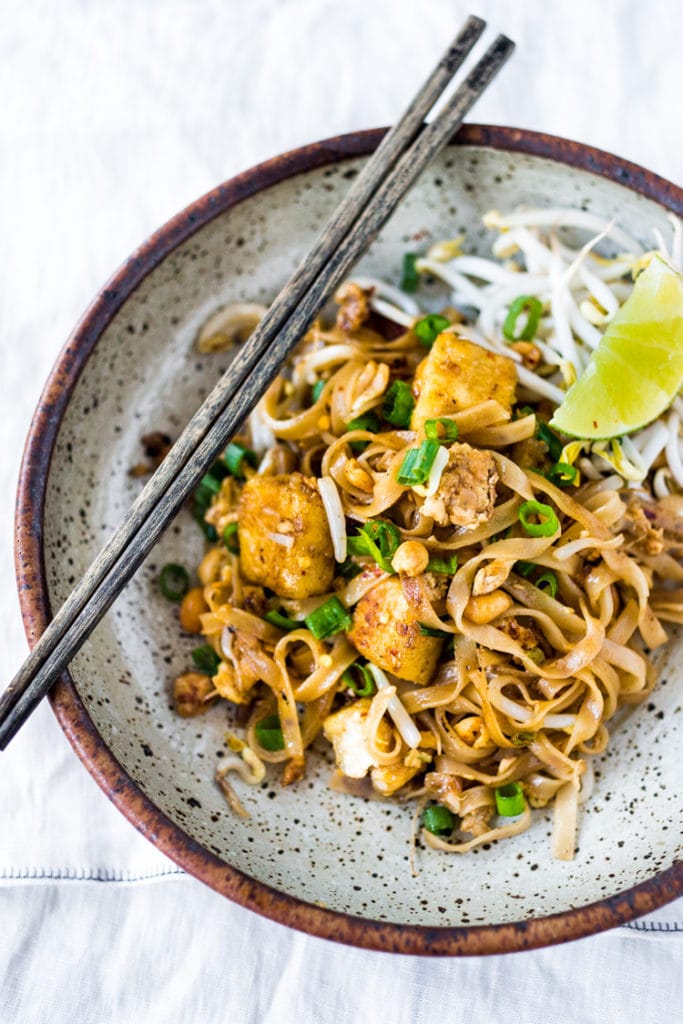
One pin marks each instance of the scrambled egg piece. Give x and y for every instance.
(285, 541)
(458, 374)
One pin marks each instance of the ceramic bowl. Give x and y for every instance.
(328, 864)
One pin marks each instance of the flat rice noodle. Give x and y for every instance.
(504, 515)
(627, 569)
(455, 746)
(361, 585)
(246, 623)
(564, 822)
(503, 434)
(378, 709)
(555, 760)
(590, 713)
(324, 676)
(533, 597)
(630, 662)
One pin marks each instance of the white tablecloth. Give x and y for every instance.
(113, 115)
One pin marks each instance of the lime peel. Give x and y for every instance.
(637, 368)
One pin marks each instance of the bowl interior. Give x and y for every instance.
(321, 847)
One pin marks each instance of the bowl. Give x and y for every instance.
(328, 864)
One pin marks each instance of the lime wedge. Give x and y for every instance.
(637, 368)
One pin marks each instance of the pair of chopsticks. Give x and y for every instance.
(395, 166)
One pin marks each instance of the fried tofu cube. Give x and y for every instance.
(345, 730)
(386, 632)
(458, 374)
(285, 541)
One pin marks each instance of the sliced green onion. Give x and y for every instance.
(206, 659)
(231, 538)
(417, 464)
(410, 277)
(236, 455)
(438, 820)
(349, 569)
(547, 581)
(208, 487)
(329, 618)
(533, 308)
(430, 327)
(174, 582)
(550, 440)
(368, 421)
(521, 739)
(548, 522)
(269, 733)
(398, 404)
(450, 429)
(378, 539)
(445, 565)
(209, 531)
(525, 569)
(562, 474)
(367, 687)
(428, 631)
(317, 390)
(510, 800)
(281, 621)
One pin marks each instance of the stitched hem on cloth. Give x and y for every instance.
(83, 875)
(36, 874)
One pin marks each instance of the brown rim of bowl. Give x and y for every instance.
(36, 612)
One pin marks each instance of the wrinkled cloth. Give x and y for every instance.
(113, 117)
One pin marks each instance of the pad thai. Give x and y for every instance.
(410, 562)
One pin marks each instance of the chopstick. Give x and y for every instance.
(403, 155)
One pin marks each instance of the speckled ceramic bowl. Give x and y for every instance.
(327, 864)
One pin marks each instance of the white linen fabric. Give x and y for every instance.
(114, 116)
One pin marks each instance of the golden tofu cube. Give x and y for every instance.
(387, 778)
(285, 541)
(386, 632)
(458, 374)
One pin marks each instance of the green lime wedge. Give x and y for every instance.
(637, 368)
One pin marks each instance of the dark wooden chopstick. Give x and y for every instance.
(365, 185)
(253, 369)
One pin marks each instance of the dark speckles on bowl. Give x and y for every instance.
(310, 858)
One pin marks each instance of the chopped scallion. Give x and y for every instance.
(562, 474)
(444, 565)
(438, 820)
(207, 529)
(378, 539)
(550, 440)
(282, 621)
(206, 659)
(522, 739)
(525, 569)
(174, 582)
(547, 523)
(329, 618)
(269, 733)
(236, 455)
(231, 538)
(398, 404)
(430, 327)
(349, 569)
(368, 421)
(317, 390)
(547, 581)
(410, 277)
(533, 308)
(364, 689)
(509, 800)
(449, 429)
(417, 464)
